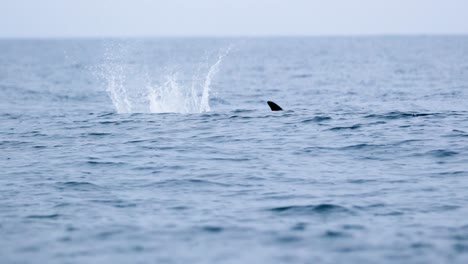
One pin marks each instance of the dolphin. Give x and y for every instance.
(273, 106)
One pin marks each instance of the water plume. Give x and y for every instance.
(134, 90)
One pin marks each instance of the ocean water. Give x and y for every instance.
(165, 151)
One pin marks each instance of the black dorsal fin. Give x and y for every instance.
(273, 106)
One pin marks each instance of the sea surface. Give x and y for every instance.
(165, 151)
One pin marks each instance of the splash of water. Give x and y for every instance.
(171, 97)
(132, 91)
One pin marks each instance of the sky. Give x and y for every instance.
(159, 18)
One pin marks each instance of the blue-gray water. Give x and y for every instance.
(367, 164)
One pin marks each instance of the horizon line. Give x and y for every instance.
(246, 36)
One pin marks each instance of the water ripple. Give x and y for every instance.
(50, 216)
(316, 119)
(400, 115)
(356, 126)
(321, 209)
(78, 186)
(442, 153)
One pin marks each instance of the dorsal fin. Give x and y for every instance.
(273, 106)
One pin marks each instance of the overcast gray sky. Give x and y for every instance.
(101, 18)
